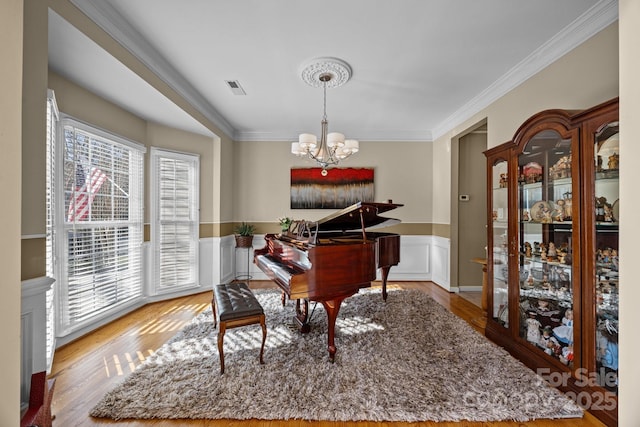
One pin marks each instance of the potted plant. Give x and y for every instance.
(244, 235)
(285, 222)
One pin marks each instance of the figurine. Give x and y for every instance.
(551, 252)
(527, 249)
(561, 169)
(553, 347)
(564, 332)
(568, 206)
(504, 182)
(567, 355)
(545, 340)
(533, 329)
(525, 215)
(543, 305)
(604, 255)
(560, 212)
(607, 345)
(563, 277)
(546, 215)
(600, 203)
(608, 213)
(530, 280)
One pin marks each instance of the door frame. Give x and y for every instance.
(453, 197)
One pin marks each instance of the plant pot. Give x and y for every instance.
(244, 241)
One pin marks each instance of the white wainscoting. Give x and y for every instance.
(415, 259)
(422, 258)
(207, 268)
(440, 260)
(227, 259)
(33, 323)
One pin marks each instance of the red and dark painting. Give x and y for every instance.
(341, 187)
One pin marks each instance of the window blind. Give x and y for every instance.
(174, 219)
(101, 218)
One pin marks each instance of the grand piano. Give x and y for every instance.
(330, 260)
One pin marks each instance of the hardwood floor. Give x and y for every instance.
(90, 366)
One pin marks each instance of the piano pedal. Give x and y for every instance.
(297, 325)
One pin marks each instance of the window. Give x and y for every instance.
(174, 220)
(98, 223)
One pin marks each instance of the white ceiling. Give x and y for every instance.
(419, 67)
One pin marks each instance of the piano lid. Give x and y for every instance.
(349, 218)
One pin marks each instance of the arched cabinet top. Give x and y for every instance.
(556, 119)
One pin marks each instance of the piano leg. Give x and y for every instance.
(302, 315)
(332, 307)
(385, 274)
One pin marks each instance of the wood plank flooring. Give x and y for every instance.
(90, 366)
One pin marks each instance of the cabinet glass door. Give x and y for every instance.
(607, 205)
(500, 256)
(545, 227)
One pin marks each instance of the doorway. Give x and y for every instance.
(468, 210)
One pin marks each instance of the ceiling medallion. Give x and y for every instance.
(339, 71)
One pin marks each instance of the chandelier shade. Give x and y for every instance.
(333, 147)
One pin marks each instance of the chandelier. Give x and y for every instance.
(333, 147)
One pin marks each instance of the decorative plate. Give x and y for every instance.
(616, 210)
(542, 211)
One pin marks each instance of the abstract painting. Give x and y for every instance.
(341, 187)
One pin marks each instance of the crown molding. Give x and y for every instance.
(372, 136)
(594, 20)
(107, 18)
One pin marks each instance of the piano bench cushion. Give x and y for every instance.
(235, 301)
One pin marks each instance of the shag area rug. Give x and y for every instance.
(408, 359)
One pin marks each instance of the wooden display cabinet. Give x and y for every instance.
(552, 266)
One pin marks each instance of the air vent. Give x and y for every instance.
(235, 87)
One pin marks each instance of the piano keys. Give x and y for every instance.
(329, 260)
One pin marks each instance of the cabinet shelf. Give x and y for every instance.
(605, 224)
(560, 181)
(564, 299)
(607, 175)
(530, 185)
(538, 259)
(549, 223)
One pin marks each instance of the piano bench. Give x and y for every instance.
(234, 305)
